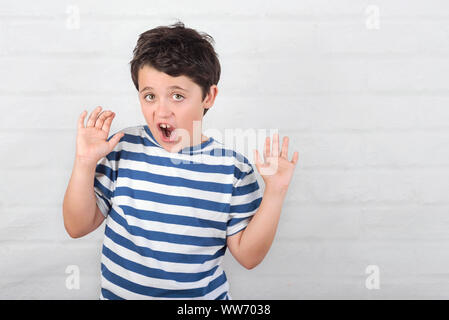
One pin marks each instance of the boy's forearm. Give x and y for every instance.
(79, 201)
(258, 236)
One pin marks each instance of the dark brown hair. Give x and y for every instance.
(177, 50)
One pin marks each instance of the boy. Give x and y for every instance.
(173, 199)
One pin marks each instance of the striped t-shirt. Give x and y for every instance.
(168, 216)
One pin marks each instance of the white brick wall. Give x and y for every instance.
(366, 108)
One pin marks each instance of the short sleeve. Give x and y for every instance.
(104, 182)
(246, 199)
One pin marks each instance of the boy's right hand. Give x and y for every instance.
(91, 140)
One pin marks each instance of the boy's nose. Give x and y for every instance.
(163, 110)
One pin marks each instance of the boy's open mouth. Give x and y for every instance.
(166, 131)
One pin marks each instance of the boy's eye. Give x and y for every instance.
(175, 94)
(178, 97)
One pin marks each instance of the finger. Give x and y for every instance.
(107, 123)
(275, 150)
(115, 139)
(101, 118)
(81, 119)
(266, 153)
(284, 150)
(295, 157)
(93, 117)
(256, 157)
(258, 160)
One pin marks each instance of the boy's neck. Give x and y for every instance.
(198, 141)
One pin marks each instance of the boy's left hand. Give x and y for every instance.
(277, 170)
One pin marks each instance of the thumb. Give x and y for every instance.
(115, 139)
(256, 159)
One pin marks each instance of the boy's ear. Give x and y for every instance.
(210, 97)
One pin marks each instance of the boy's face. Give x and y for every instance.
(182, 108)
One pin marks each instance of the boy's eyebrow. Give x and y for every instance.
(171, 87)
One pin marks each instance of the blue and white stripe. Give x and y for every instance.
(168, 216)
